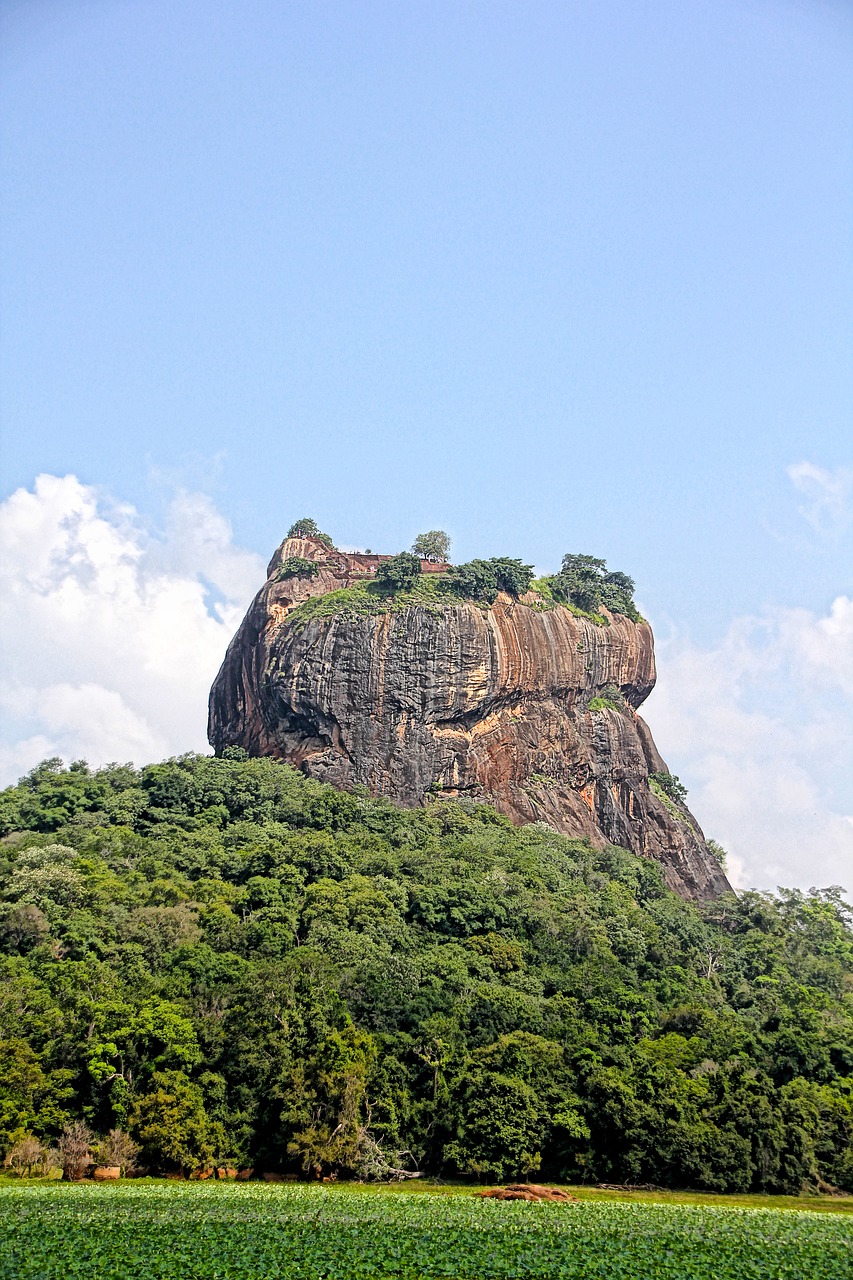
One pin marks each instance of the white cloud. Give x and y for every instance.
(829, 495)
(111, 637)
(761, 729)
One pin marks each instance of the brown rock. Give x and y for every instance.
(107, 1173)
(492, 704)
(243, 1175)
(531, 1192)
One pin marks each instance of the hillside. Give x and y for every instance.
(436, 687)
(244, 966)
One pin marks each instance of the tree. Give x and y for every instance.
(171, 1123)
(670, 785)
(26, 1155)
(75, 1150)
(579, 581)
(118, 1150)
(308, 528)
(717, 851)
(371, 980)
(22, 927)
(501, 1127)
(584, 581)
(474, 580)
(483, 579)
(400, 572)
(512, 576)
(434, 545)
(324, 1103)
(30, 1097)
(304, 528)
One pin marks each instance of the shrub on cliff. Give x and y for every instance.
(671, 786)
(482, 579)
(400, 572)
(611, 698)
(297, 567)
(308, 528)
(584, 581)
(512, 576)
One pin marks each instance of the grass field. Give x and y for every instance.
(191, 1231)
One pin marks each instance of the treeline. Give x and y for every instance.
(235, 965)
(584, 582)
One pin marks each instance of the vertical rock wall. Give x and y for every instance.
(494, 704)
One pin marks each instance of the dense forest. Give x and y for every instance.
(236, 965)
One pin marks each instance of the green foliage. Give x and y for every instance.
(584, 586)
(308, 528)
(717, 852)
(330, 1132)
(346, 601)
(512, 576)
(544, 601)
(670, 786)
(175, 1231)
(475, 580)
(32, 1093)
(373, 599)
(434, 545)
(481, 580)
(610, 698)
(400, 572)
(584, 581)
(171, 1125)
(233, 962)
(297, 567)
(548, 597)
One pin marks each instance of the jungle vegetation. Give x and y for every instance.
(232, 963)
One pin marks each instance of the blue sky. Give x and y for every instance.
(553, 277)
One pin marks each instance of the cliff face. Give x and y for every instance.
(420, 702)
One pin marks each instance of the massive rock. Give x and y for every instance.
(458, 700)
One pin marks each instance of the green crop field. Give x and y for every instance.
(258, 1232)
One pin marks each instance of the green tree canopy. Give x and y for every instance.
(308, 528)
(585, 582)
(434, 545)
(483, 579)
(251, 967)
(170, 1123)
(400, 572)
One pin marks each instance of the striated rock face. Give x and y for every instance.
(420, 702)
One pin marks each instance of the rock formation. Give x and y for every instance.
(457, 699)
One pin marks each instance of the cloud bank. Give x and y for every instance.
(761, 729)
(112, 635)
